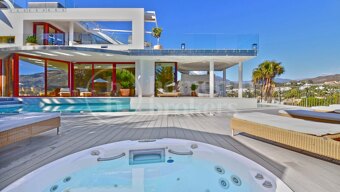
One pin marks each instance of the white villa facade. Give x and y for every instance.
(82, 52)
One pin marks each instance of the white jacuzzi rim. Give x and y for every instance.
(280, 185)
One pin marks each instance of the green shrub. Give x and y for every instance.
(125, 78)
(31, 39)
(194, 87)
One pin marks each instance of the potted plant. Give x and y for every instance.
(126, 80)
(31, 40)
(193, 90)
(156, 33)
(125, 89)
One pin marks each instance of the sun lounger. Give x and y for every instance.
(65, 92)
(19, 127)
(314, 137)
(312, 115)
(84, 92)
(162, 93)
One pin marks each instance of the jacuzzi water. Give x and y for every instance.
(165, 165)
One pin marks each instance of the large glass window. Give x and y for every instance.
(57, 77)
(102, 80)
(47, 34)
(165, 76)
(40, 34)
(82, 78)
(31, 77)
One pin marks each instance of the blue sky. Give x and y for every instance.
(302, 34)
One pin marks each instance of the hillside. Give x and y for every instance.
(322, 79)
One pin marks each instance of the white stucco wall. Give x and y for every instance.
(18, 16)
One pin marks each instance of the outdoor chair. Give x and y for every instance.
(162, 93)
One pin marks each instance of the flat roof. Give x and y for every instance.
(186, 59)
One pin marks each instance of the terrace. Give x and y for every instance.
(82, 132)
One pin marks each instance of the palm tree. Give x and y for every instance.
(264, 75)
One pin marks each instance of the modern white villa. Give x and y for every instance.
(106, 99)
(47, 50)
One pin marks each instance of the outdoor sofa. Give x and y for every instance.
(312, 115)
(318, 138)
(19, 127)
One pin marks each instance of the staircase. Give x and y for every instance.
(5, 101)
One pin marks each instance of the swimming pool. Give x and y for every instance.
(69, 105)
(164, 165)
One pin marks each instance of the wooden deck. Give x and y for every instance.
(300, 172)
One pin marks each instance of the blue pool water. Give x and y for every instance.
(185, 174)
(67, 108)
(69, 105)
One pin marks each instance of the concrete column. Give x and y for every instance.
(240, 79)
(211, 79)
(224, 82)
(138, 78)
(71, 33)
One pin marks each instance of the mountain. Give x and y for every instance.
(55, 78)
(323, 79)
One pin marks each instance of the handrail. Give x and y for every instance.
(180, 153)
(111, 158)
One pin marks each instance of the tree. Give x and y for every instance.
(264, 75)
(164, 77)
(156, 33)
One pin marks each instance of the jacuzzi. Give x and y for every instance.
(164, 165)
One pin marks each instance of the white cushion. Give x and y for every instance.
(288, 123)
(327, 108)
(312, 114)
(13, 121)
(64, 89)
(161, 90)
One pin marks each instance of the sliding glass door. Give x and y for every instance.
(166, 77)
(102, 80)
(82, 79)
(57, 78)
